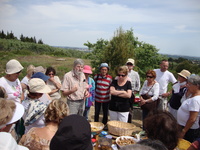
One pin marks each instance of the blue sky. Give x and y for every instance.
(172, 26)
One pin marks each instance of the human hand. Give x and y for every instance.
(75, 88)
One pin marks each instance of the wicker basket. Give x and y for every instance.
(120, 128)
(96, 126)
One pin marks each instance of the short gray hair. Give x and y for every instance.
(78, 61)
(195, 80)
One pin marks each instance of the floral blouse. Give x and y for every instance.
(33, 141)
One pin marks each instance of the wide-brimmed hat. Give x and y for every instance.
(41, 76)
(18, 113)
(104, 65)
(74, 132)
(37, 85)
(39, 69)
(13, 66)
(132, 61)
(87, 69)
(184, 73)
(7, 142)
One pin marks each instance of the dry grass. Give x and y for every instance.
(62, 65)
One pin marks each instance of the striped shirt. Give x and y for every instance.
(102, 92)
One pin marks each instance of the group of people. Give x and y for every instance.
(46, 101)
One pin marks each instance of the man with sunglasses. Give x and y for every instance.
(135, 81)
(164, 77)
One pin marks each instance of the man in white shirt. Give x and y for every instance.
(135, 81)
(164, 77)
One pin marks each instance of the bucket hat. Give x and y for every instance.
(41, 76)
(74, 133)
(7, 142)
(13, 66)
(184, 73)
(37, 85)
(132, 61)
(87, 69)
(104, 65)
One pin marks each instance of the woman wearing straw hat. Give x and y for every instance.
(34, 108)
(10, 81)
(189, 112)
(178, 91)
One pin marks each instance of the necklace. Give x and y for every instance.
(51, 129)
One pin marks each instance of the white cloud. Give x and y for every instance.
(75, 22)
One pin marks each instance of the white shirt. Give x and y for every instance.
(25, 80)
(135, 80)
(13, 89)
(153, 92)
(164, 78)
(191, 104)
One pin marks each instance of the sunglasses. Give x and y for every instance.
(51, 74)
(129, 64)
(122, 75)
(149, 76)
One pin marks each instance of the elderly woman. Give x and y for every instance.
(150, 87)
(121, 92)
(178, 91)
(10, 81)
(34, 108)
(189, 112)
(39, 138)
(54, 83)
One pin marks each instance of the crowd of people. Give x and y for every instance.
(43, 112)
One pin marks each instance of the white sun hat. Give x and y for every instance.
(13, 66)
(37, 85)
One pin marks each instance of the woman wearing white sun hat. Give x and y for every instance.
(10, 113)
(10, 81)
(34, 108)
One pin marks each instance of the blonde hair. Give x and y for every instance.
(56, 111)
(3, 93)
(123, 69)
(7, 108)
(30, 70)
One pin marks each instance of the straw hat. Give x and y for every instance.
(184, 73)
(37, 85)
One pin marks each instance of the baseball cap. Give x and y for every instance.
(37, 85)
(13, 66)
(132, 61)
(41, 76)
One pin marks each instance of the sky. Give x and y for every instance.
(172, 26)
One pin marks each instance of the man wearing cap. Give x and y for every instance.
(74, 87)
(164, 77)
(102, 92)
(10, 81)
(179, 89)
(135, 81)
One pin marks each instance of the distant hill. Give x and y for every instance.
(193, 58)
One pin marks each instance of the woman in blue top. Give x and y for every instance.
(91, 89)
